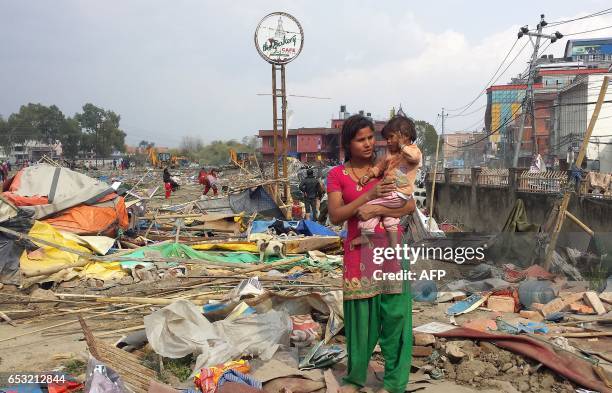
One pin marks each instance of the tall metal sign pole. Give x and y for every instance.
(279, 39)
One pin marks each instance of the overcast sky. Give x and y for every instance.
(189, 67)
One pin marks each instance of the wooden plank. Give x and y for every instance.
(566, 196)
(576, 221)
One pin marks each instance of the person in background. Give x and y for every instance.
(211, 182)
(169, 184)
(312, 191)
(202, 176)
(114, 164)
(297, 213)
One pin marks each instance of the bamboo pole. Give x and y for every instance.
(70, 322)
(433, 186)
(582, 225)
(585, 334)
(114, 332)
(113, 257)
(271, 265)
(567, 195)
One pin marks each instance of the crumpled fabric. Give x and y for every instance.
(238, 377)
(180, 329)
(208, 378)
(305, 329)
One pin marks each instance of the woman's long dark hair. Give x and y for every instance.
(350, 128)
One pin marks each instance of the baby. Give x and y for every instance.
(401, 163)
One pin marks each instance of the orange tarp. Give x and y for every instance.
(84, 219)
(19, 200)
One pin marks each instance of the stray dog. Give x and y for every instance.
(270, 248)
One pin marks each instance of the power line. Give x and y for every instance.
(463, 108)
(488, 134)
(588, 31)
(469, 113)
(595, 14)
(512, 117)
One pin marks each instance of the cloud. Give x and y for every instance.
(190, 67)
(449, 70)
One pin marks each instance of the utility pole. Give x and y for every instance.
(443, 116)
(528, 103)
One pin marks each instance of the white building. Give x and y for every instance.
(32, 151)
(572, 116)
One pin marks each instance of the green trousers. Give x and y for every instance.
(383, 319)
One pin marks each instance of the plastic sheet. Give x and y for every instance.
(102, 379)
(180, 329)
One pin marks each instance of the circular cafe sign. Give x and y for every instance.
(279, 38)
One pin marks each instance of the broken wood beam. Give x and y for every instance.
(576, 221)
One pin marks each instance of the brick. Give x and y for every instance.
(553, 306)
(581, 308)
(606, 297)
(484, 325)
(592, 299)
(421, 352)
(537, 306)
(533, 315)
(501, 303)
(571, 297)
(424, 339)
(561, 303)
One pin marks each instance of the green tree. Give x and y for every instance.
(102, 133)
(50, 122)
(427, 137)
(70, 137)
(91, 120)
(146, 144)
(36, 122)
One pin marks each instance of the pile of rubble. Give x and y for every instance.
(224, 294)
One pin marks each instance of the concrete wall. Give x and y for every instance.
(485, 209)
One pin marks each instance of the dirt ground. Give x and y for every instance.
(483, 370)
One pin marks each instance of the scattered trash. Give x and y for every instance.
(321, 356)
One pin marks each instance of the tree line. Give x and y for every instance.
(93, 130)
(216, 152)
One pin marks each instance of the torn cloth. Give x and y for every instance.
(562, 362)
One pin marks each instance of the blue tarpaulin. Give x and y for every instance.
(304, 227)
(310, 228)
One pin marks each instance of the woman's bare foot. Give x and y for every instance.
(349, 388)
(383, 391)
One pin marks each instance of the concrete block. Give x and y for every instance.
(553, 306)
(606, 297)
(592, 299)
(424, 339)
(571, 297)
(532, 315)
(501, 303)
(421, 352)
(581, 308)
(562, 302)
